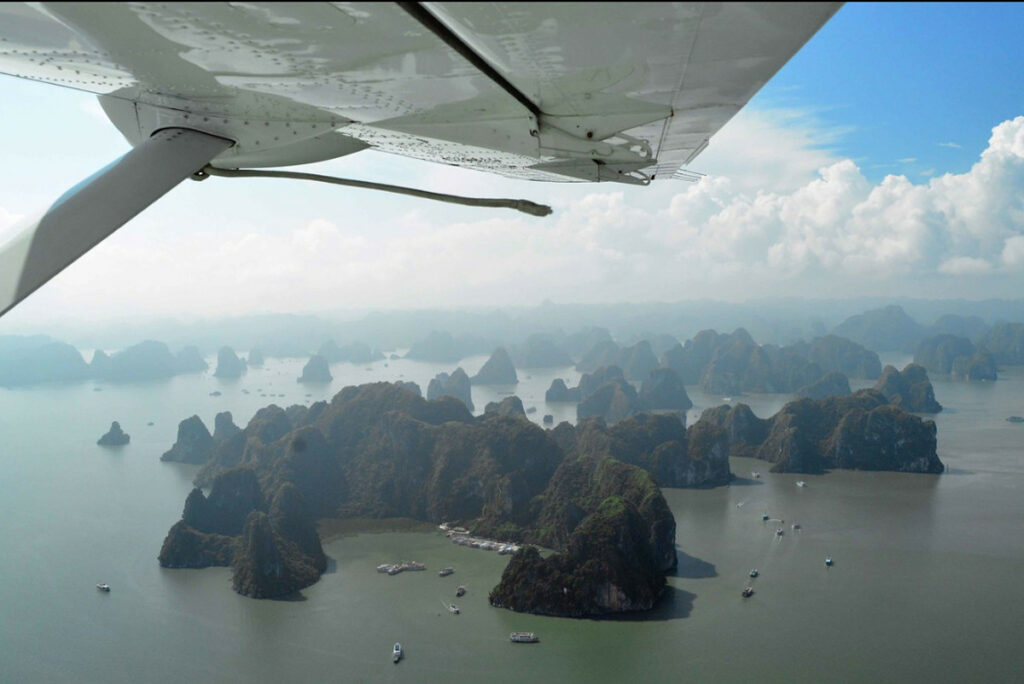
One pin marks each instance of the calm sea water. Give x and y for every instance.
(926, 585)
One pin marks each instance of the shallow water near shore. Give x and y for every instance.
(925, 585)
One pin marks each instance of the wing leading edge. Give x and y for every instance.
(539, 91)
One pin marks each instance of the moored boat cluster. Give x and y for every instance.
(395, 568)
(463, 537)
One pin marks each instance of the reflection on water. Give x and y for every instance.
(925, 585)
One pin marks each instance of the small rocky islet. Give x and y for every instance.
(114, 437)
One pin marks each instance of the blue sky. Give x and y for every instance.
(900, 79)
(868, 166)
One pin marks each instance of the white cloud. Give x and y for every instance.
(965, 266)
(907, 160)
(955, 146)
(775, 150)
(1012, 255)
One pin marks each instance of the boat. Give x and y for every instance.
(828, 561)
(453, 609)
(460, 591)
(445, 572)
(801, 483)
(396, 653)
(523, 638)
(764, 516)
(796, 526)
(754, 573)
(779, 532)
(748, 592)
(754, 474)
(103, 586)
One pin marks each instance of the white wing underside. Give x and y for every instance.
(621, 91)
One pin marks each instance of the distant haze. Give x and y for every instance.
(776, 321)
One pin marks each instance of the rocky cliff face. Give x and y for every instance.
(540, 351)
(658, 443)
(885, 329)
(663, 391)
(690, 360)
(229, 366)
(224, 427)
(636, 361)
(508, 407)
(606, 393)
(189, 360)
(860, 431)
(456, 385)
(884, 438)
(956, 356)
(1005, 342)
(269, 565)
(731, 364)
(206, 533)
(834, 383)
(980, 366)
(272, 554)
(833, 353)
(937, 354)
(149, 360)
(909, 389)
(559, 391)
(33, 359)
(607, 568)
(613, 401)
(316, 371)
(498, 370)
(194, 444)
(741, 431)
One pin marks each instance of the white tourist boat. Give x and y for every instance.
(103, 586)
(396, 653)
(523, 638)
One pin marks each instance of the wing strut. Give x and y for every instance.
(92, 210)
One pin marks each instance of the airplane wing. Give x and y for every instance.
(622, 92)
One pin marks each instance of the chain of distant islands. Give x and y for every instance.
(589, 494)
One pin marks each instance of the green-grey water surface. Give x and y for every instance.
(926, 585)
